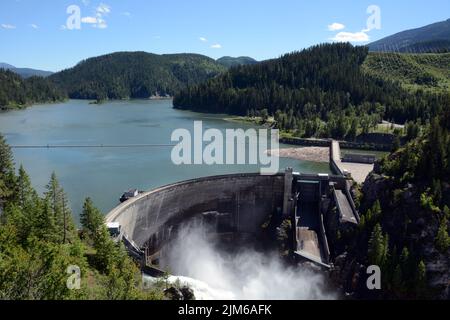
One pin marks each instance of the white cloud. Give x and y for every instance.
(98, 21)
(89, 20)
(126, 14)
(351, 37)
(7, 26)
(103, 9)
(34, 26)
(336, 26)
(202, 39)
(216, 46)
(86, 2)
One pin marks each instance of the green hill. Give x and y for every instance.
(16, 92)
(124, 75)
(230, 62)
(413, 71)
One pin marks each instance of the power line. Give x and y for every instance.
(49, 146)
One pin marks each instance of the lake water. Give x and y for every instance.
(105, 173)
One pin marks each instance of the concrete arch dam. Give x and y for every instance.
(235, 207)
(239, 204)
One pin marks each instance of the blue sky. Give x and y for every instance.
(34, 33)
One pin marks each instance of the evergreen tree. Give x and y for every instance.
(7, 176)
(442, 237)
(378, 247)
(421, 280)
(27, 197)
(57, 206)
(91, 219)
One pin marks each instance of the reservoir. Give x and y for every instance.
(105, 173)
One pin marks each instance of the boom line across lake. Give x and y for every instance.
(91, 146)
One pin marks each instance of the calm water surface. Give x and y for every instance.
(103, 173)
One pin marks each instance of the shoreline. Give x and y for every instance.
(313, 154)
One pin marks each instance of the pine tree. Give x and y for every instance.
(421, 280)
(58, 207)
(7, 176)
(26, 195)
(442, 237)
(91, 219)
(378, 247)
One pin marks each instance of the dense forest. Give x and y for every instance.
(124, 75)
(16, 92)
(405, 221)
(39, 241)
(321, 91)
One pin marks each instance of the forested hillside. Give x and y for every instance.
(321, 91)
(124, 75)
(16, 92)
(413, 71)
(405, 222)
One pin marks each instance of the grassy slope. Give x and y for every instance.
(407, 68)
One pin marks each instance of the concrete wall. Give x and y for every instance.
(374, 144)
(246, 200)
(335, 158)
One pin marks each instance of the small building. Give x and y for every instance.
(114, 228)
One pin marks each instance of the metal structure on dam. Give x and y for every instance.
(237, 205)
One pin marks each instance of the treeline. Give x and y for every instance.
(16, 92)
(42, 252)
(405, 218)
(319, 91)
(124, 75)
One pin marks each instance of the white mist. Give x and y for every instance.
(247, 275)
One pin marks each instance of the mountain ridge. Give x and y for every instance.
(417, 40)
(25, 72)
